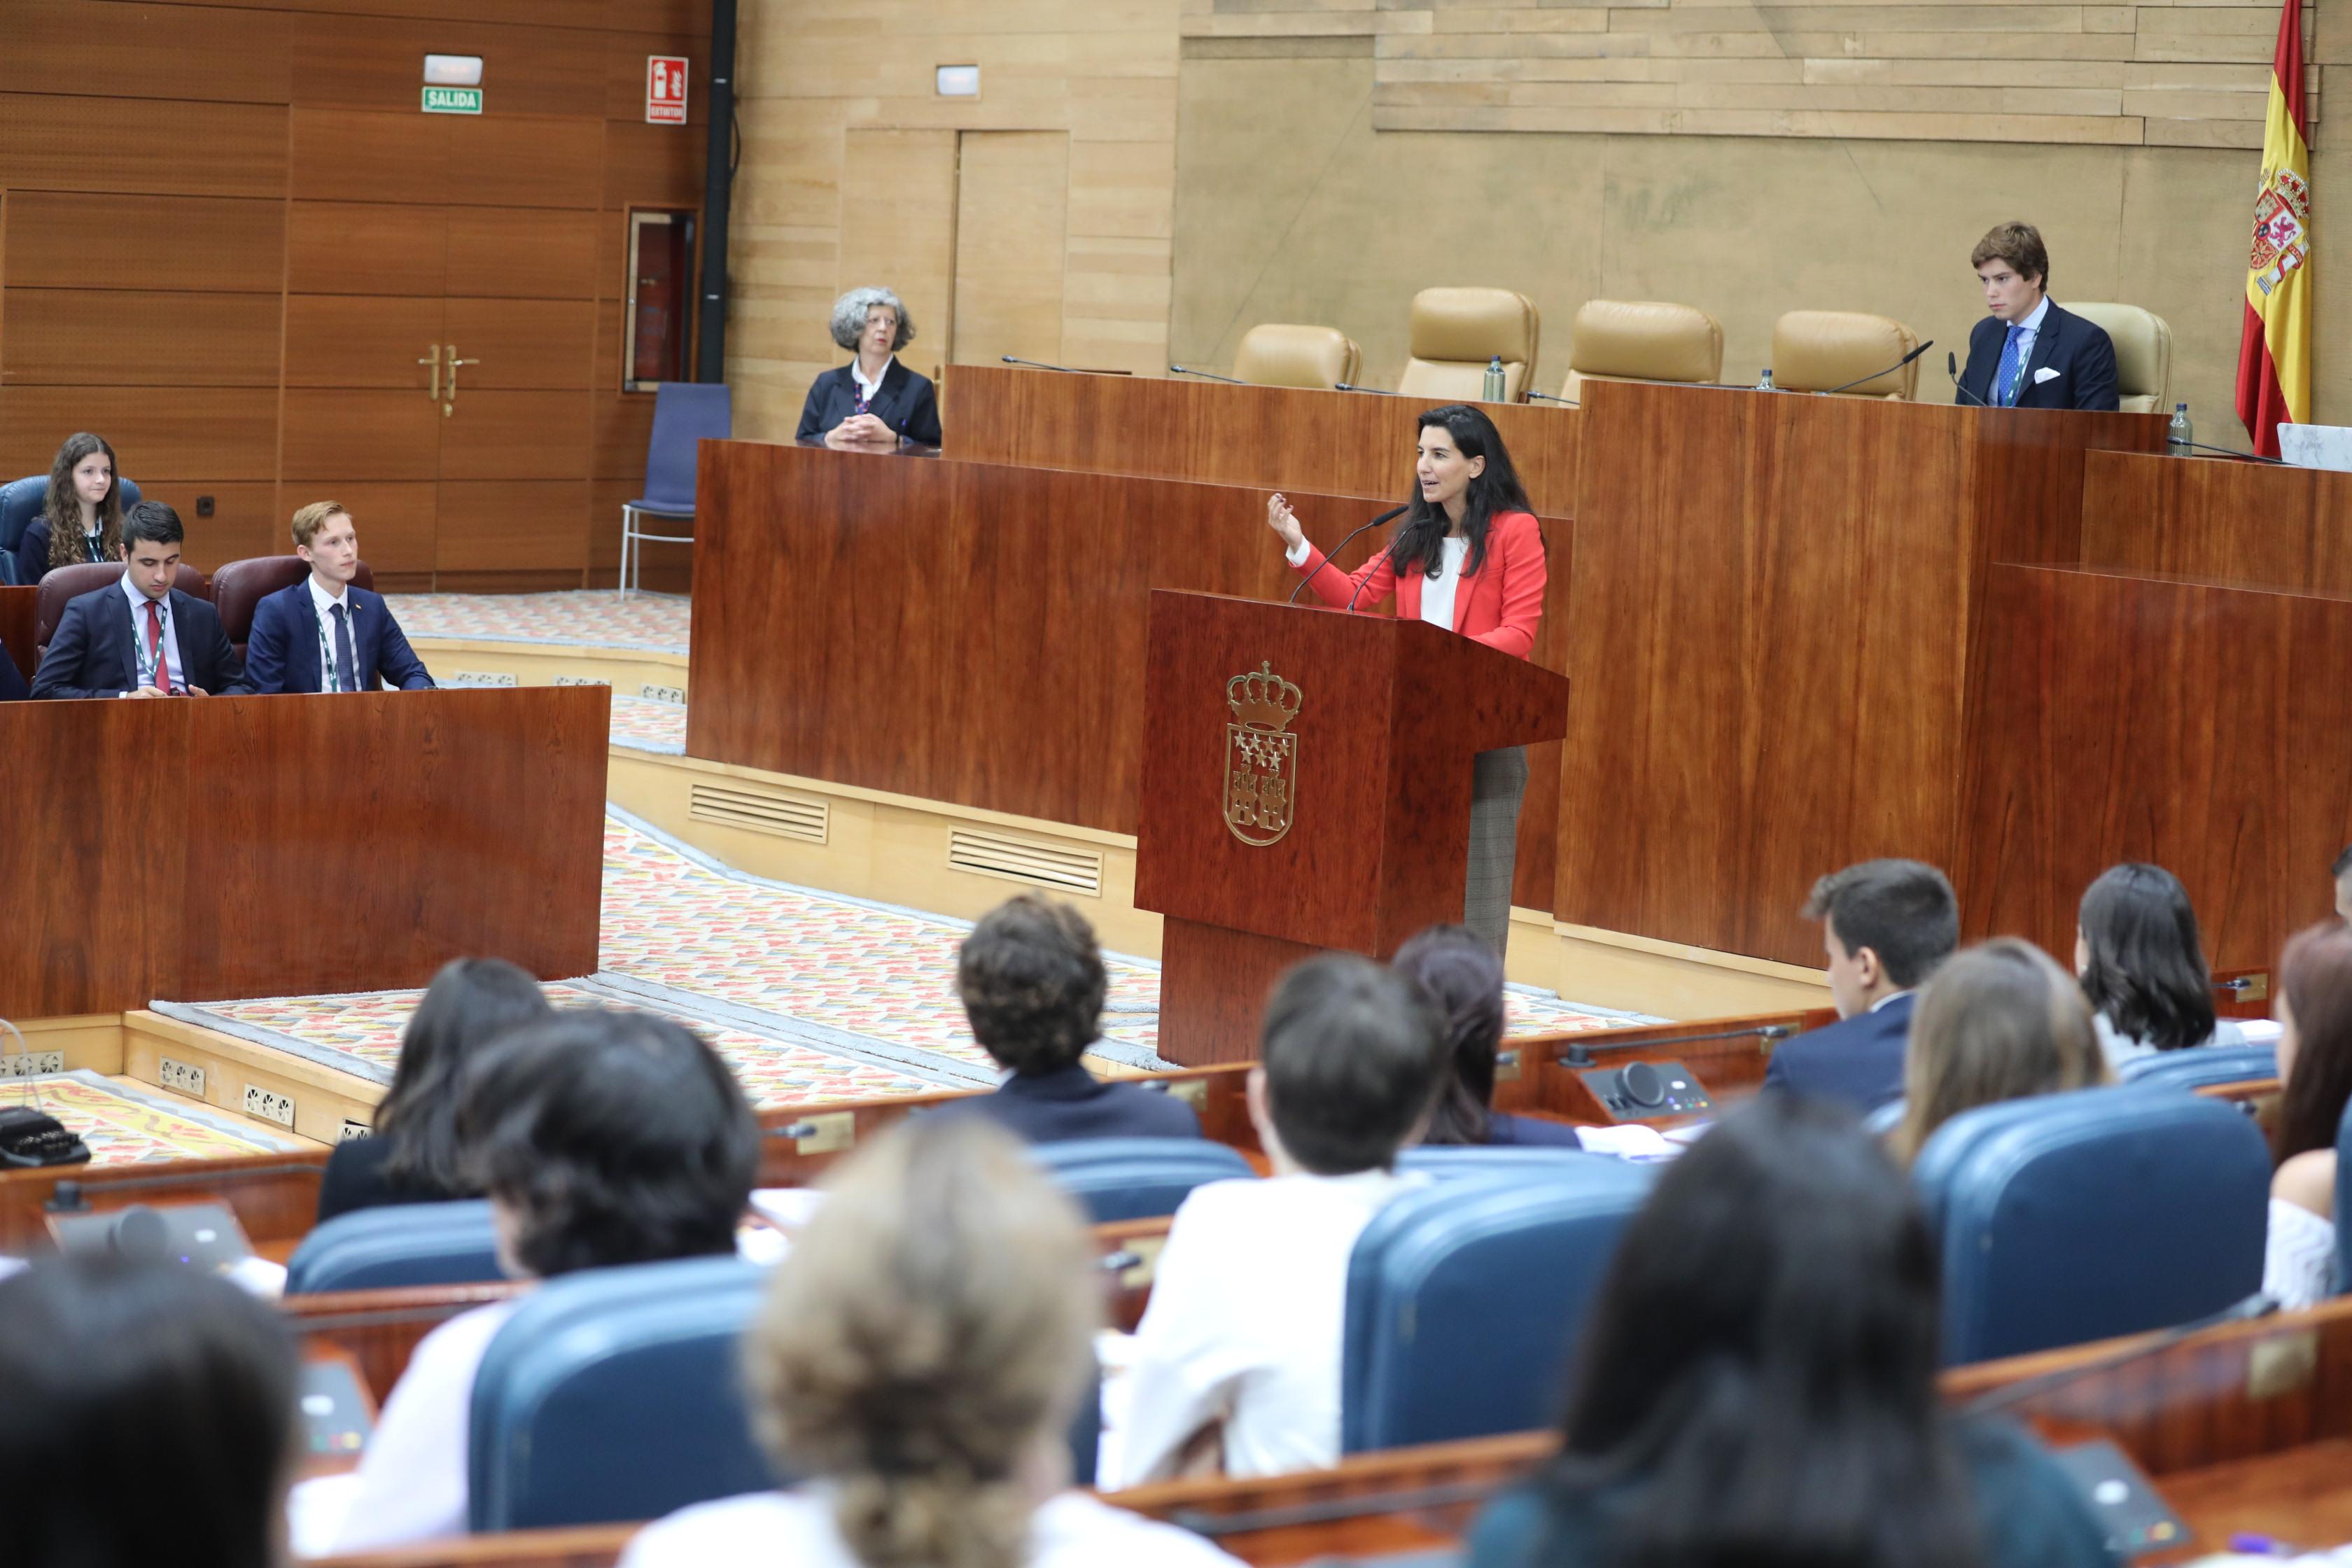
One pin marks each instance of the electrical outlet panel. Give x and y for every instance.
(355, 1130)
(482, 678)
(32, 1064)
(180, 1077)
(580, 681)
(673, 695)
(268, 1105)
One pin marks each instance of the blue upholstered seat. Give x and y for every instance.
(2068, 1217)
(1136, 1178)
(2203, 1065)
(1493, 1159)
(1465, 1296)
(404, 1244)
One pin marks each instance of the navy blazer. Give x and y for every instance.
(1071, 1102)
(93, 653)
(33, 552)
(12, 682)
(1856, 1061)
(905, 402)
(282, 652)
(2079, 350)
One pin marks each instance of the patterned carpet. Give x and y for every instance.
(642, 724)
(126, 1123)
(581, 617)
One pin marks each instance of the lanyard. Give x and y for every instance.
(94, 549)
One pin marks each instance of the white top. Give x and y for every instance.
(2299, 1259)
(325, 603)
(1248, 1307)
(796, 1530)
(2120, 1047)
(867, 389)
(139, 603)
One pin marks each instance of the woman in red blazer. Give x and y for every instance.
(1468, 557)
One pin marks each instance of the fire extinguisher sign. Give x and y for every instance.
(665, 89)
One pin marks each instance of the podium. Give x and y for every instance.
(1306, 786)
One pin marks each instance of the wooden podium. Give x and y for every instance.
(1306, 785)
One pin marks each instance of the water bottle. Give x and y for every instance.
(2180, 437)
(1764, 382)
(1495, 379)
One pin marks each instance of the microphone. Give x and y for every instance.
(1368, 576)
(1207, 375)
(1376, 391)
(1952, 369)
(1570, 402)
(1039, 364)
(2257, 1305)
(1343, 544)
(1890, 370)
(2231, 452)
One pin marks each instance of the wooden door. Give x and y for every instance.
(1012, 190)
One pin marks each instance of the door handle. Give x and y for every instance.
(449, 406)
(433, 358)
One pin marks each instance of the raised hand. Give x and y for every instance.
(1283, 520)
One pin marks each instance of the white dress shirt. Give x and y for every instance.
(325, 603)
(1248, 1309)
(769, 1529)
(2298, 1257)
(867, 389)
(1436, 593)
(139, 603)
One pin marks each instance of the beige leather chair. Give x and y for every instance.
(2143, 343)
(1641, 340)
(1818, 351)
(1455, 331)
(1273, 355)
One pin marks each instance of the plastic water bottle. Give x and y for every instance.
(2180, 437)
(1764, 382)
(1495, 379)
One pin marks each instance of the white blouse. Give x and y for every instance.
(797, 1530)
(2299, 1259)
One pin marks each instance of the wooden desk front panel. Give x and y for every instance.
(206, 850)
(18, 607)
(2206, 517)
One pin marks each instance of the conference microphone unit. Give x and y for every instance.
(1890, 370)
(1392, 511)
(1344, 386)
(1952, 369)
(1039, 364)
(1570, 402)
(2258, 1305)
(1207, 375)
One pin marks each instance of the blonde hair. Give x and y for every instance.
(928, 1331)
(312, 517)
(2001, 1021)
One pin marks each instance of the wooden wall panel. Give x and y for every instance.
(511, 525)
(2233, 523)
(902, 227)
(525, 254)
(515, 162)
(523, 343)
(142, 147)
(207, 245)
(1011, 201)
(624, 429)
(652, 165)
(355, 248)
(374, 435)
(64, 337)
(339, 153)
(352, 342)
(398, 525)
(105, 49)
(244, 520)
(517, 434)
(230, 434)
(373, 62)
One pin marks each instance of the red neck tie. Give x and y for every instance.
(162, 681)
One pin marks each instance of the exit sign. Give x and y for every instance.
(665, 89)
(453, 100)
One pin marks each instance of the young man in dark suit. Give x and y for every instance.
(141, 636)
(323, 633)
(1885, 925)
(1032, 982)
(2029, 354)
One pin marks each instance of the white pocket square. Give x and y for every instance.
(2044, 374)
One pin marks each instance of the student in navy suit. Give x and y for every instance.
(1885, 925)
(13, 687)
(1031, 981)
(141, 636)
(2029, 354)
(323, 633)
(872, 401)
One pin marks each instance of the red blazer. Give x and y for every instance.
(1501, 604)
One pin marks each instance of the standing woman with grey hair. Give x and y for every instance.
(873, 400)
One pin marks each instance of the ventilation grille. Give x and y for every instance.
(1026, 860)
(759, 811)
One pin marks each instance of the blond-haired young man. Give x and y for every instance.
(323, 633)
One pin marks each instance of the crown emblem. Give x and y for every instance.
(1263, 700)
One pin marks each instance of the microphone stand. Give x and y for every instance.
(1875, 374)
(1392, 511)
(1207, 375)
(1040, 364)
(1547, 397)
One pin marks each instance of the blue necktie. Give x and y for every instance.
(344, 663)
(2004, 375)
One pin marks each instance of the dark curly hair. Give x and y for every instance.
(1032, 982)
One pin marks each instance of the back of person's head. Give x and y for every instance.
(2144, 961)
(1032, 982)
(1464, 977)
(1903, 910)
(151, 523)
(146, 1416)
(2316, 985)
(1762, 1361)
(1352, 1053)
(926, 1341)
(2001, 1021)
(608, 1136)
(471, 1003)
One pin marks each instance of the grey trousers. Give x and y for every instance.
(1497, 781)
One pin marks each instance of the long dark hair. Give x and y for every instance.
(62, 507)
(1464, 978)
(2316, 976)
(471, 1002)
(2147, 971)
(1760, 1366)
(1421, 540)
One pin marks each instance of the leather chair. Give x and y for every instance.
(1464, 1298)
(1455, 331)
(2070, 1217)
(1819, 351)
(1136, 1178)
(239, 587)
(20, 503)
(1641, 339)
(402, 1243)
(67, 584)
(2204, 1067)
(2143, 343)
(1277, 355)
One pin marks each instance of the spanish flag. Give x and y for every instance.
(2274, 353)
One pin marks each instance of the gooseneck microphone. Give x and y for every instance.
(1890, 370)
(1207, 375)
(1325, 564)
(1952, 369)
(1040, 364)
(1570, 402)
(1385, 554)
(2258, 1305)
(2231, 452)
(1344, 386)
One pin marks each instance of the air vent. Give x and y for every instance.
(1027, 860)
(761, 811)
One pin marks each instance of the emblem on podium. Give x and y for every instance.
(1261, 756)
